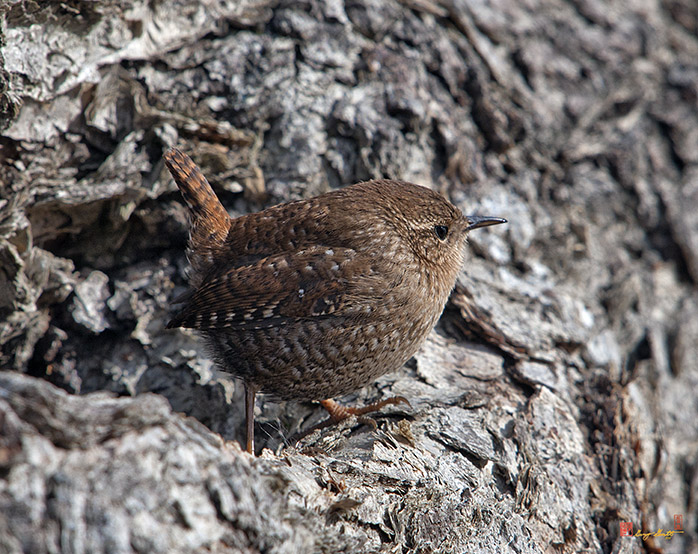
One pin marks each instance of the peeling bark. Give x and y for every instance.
(555, 399)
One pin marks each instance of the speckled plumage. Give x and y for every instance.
(316, 298)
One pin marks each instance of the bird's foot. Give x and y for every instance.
(339, 413)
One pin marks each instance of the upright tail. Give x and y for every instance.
(209, 220)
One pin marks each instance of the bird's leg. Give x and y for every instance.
(338, 412)
(249, 416)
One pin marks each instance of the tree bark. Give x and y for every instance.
(554, 401)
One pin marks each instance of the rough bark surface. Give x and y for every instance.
(556, 398)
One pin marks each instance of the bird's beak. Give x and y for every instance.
(477, 221)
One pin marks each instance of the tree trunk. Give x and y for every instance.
(554, 403)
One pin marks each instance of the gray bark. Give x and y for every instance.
(557, 396)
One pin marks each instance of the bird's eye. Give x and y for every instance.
(441, 231)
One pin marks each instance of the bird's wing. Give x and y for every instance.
(315, 282)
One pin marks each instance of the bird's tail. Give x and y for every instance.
(209, 220)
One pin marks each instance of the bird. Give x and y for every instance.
(316, 298)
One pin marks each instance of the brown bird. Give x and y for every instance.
(316, 298)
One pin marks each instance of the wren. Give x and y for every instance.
(316, 298)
